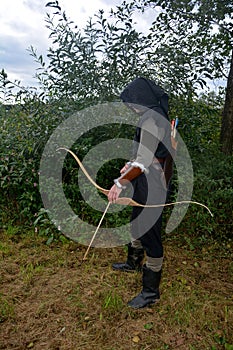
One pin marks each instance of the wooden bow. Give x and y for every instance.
(126, 200)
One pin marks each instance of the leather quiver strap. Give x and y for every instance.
(168, 164)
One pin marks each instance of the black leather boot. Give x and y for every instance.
(150, 291)
(133, 262)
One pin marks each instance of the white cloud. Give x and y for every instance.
(22, 24)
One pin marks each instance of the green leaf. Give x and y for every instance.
(50, 240)
(149, 325)
(228, 346)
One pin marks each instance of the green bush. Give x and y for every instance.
(26, 128)
(24, 131)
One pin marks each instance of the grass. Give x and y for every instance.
(6, 308)
(49, 301)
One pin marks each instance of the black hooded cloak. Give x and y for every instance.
(150, 100)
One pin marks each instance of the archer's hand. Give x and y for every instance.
(114, 193)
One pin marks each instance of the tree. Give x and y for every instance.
(227, 119)
(189, 42)
(90, 64)
(194, 43)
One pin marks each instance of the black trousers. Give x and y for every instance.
(146, 223)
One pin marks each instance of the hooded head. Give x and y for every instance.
(144, 92)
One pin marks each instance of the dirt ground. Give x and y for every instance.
(49, 302)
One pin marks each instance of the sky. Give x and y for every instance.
(22, 24)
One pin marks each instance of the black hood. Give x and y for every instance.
(145, 92)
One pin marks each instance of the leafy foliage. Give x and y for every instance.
(195, 40)
(24, 130)
(92, 64)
